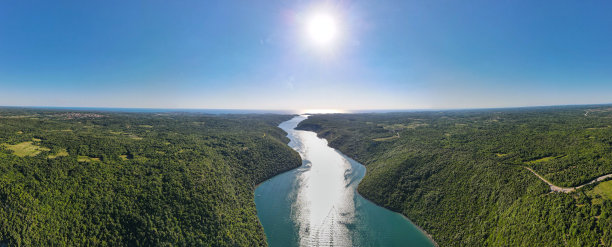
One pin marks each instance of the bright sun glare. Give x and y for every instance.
(321, 111)
(322, 29)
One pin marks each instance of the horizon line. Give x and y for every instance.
(302, 111)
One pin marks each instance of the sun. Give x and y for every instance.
(322, 29)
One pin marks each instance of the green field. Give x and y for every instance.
(544, 159)
(381, 139)
(601, 192)
(25, 149)
(60, 153)
(81, 158)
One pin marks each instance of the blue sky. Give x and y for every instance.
(254, 54)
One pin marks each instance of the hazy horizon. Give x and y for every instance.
(344, 55)
(277, 111)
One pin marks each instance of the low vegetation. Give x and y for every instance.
(82, 158)
(176, 184)
(25, 149)
(61, 152)
(382, 139)
(601, 192)
(460, 174)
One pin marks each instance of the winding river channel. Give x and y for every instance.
(317, 203)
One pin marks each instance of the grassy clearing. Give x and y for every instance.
(601, 191)
(501, 155)
(382, 139)
(544, 159)
(61, 152)
(134, 137)
(25, 149)
(64, 130)
(133, 157)
(598, 128)
(145, 126)
(87, 159)
(131, 136)
(126, 157)
(397, 127)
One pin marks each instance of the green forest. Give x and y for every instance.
(75, 178)
(461, 175)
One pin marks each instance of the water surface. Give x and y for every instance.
(317, 203)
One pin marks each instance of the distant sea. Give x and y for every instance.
(191, 110)
(159, 110)
(259, 111)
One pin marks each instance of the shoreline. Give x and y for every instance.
(429, 236)
(405, 217)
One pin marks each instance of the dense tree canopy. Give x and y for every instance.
(461, 174)
(117, 179)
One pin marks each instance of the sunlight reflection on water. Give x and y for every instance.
(317, 205)
(324, 204)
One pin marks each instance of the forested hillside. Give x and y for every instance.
(461, 175)
(119, 179)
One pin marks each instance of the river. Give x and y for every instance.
(317, 203)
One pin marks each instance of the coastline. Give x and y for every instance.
(288, 170)
(405, 217)
(429, 236)
(425, 238)
(357, 191)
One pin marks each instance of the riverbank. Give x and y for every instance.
(318, 204)
(429, 236)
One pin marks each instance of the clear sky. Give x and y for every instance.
(255, 54)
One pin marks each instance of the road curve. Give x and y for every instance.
(555, 188)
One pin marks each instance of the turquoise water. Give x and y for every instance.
(317, 203)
